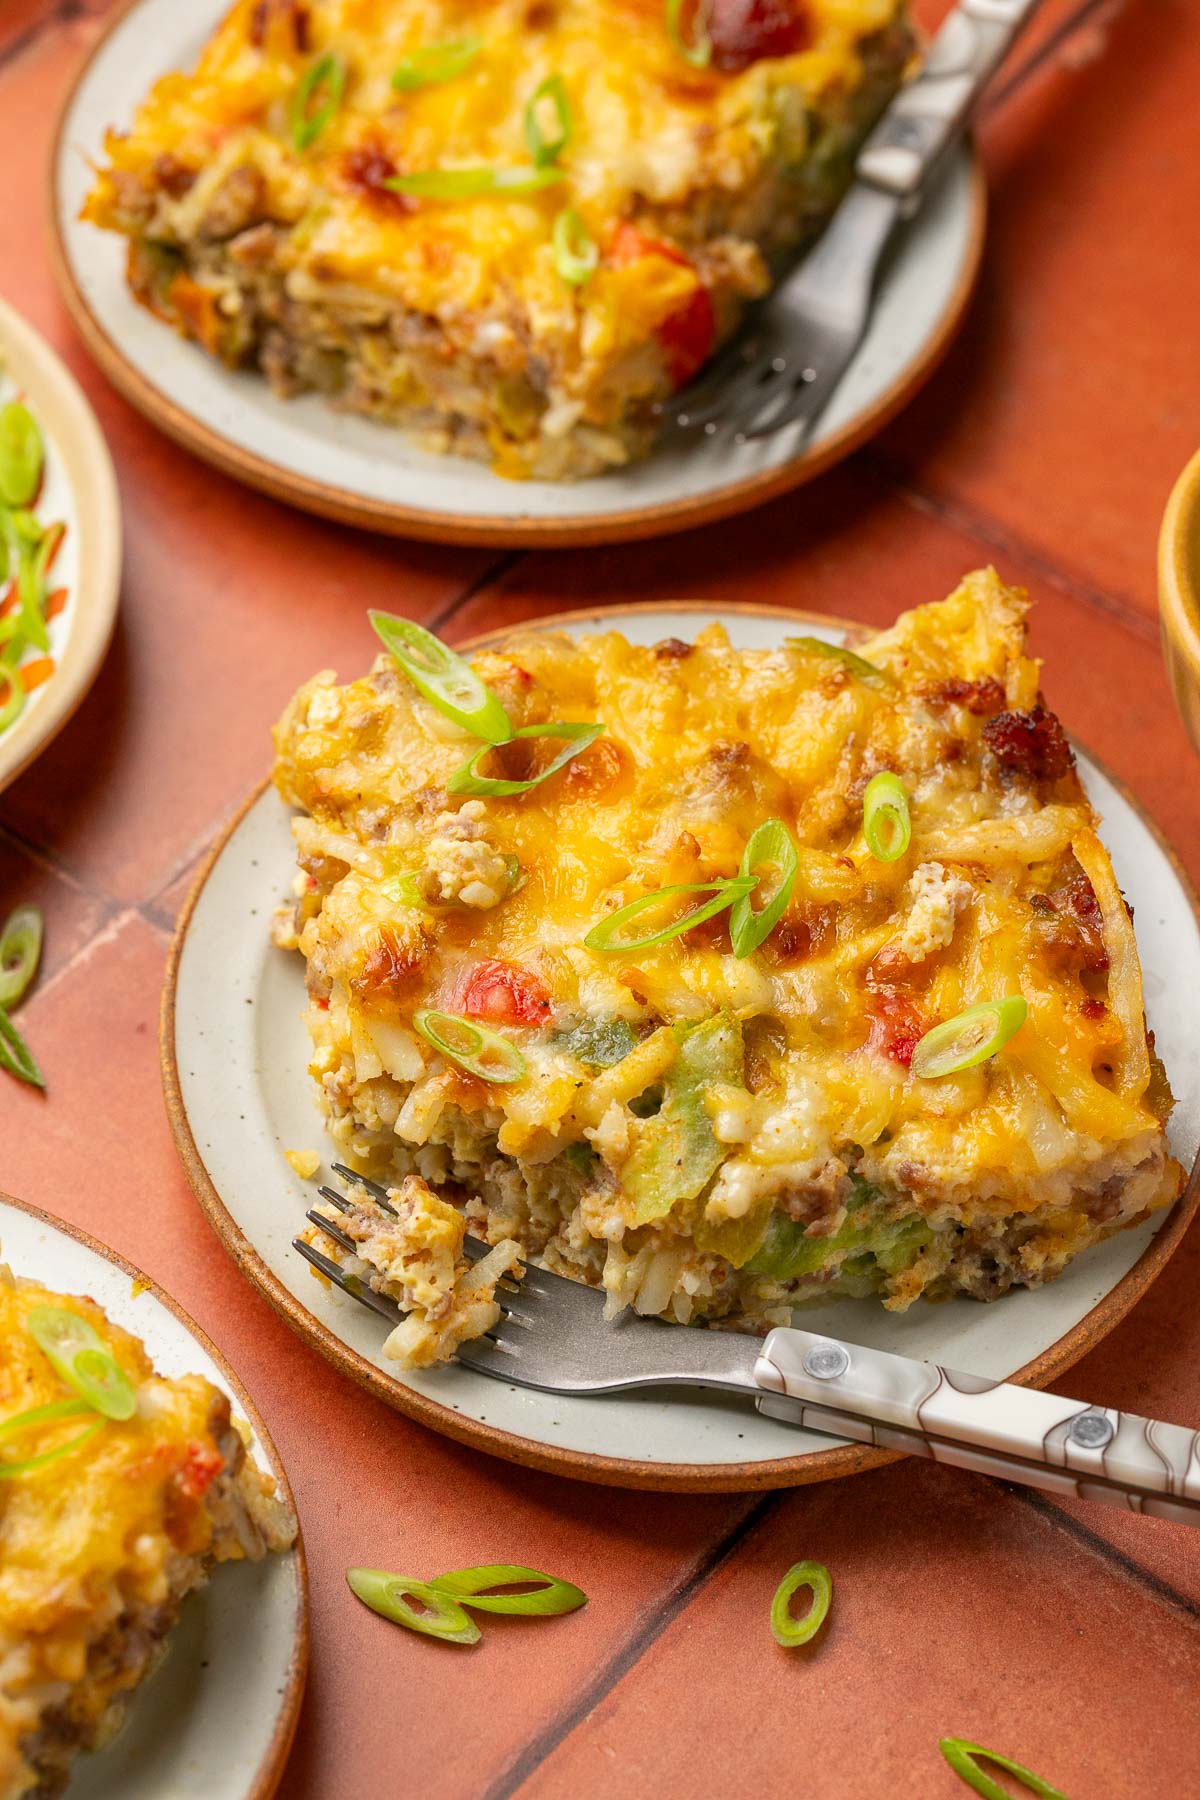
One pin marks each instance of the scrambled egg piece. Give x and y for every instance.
(414, 1254)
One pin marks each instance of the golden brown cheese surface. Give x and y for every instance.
(646, 126)
(1005, 889)
(96, 1532)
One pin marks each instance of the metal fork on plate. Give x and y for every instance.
(552, 1335)
(783, 368)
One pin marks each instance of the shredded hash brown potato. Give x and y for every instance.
(452, 317)
(712, 1138)
(414, 1254)
(99, 1548)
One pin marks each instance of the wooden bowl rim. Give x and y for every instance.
(1179, 569)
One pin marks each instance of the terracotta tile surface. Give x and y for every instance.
(956, 1612)
(1067, 1636)
(1066, 410)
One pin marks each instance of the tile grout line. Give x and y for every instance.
(991, 530)
(64, 13)
(45, 860)
(193, 853)
(1105, 1550)
(494, 573)
(543, 1745)
(546, 1741)
(105, 934)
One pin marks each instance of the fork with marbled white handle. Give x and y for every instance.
(552, 1335)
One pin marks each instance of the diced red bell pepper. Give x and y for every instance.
(688, 334)
(896, 1027)
(506, 994)
(745, 31)
(201, 1466)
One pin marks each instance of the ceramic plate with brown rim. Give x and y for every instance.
(79, 490)
(235, 1061)
(367, 474)
(216, 1720)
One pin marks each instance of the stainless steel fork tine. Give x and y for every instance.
(798, 400)
(377, 1193)
(332, 1230)
(335, 1199)
(349, 1284)
(707, 398)
(488, 1358)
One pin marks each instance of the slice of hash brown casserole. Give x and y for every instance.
(452, 316)
(99, 1548)
(713, 1138)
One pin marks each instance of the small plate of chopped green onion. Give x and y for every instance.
(60, 545)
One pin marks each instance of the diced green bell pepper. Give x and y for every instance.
(787, 1253)
(675, 1153)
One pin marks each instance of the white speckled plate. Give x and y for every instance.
(79, 488)
(235, 1053)
(216, 1720)
(367, 474)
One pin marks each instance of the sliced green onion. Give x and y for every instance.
(15, 1054)
(470, 1588)
(12, 708)
(786, 1629)
(100, 1379)
(10, 1470)
(390, 1596)
(578, 735)
(43, 1415)
(405, 890)
(445, 679)
(22, 455)
(969, 1038)
(438, 63)
(20, 950)
(886, 824)
(961, 1756)
(78, 1355)
(576, 252)
(31, 592)
(326, 79)
(699, 51)
(478, 1050)
(29, 556)
(465, 184)
(724, 893)
(857, 665)
(550, 96)
(771, 843)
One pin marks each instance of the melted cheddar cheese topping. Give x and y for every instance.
(1005, 889)
(95, 1545)
(646, 128)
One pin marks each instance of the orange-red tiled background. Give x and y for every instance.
(1067, 1636)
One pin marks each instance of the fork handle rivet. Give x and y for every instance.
(1090, 1430)
(825, 1362)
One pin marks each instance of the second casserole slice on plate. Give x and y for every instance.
(509, 228)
